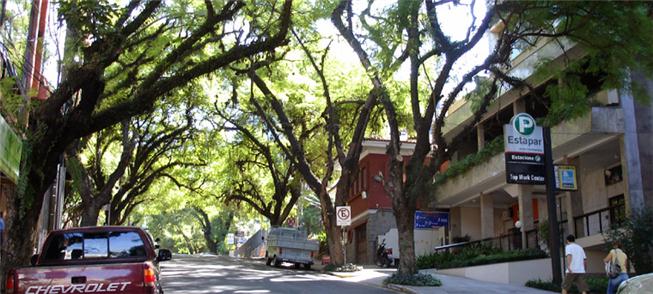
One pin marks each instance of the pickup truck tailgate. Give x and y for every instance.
(99, 278)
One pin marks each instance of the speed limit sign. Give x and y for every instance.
(343, 215)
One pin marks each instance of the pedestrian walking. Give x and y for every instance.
(616, 262)
(576, 263)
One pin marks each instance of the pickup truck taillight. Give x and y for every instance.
(149, 276)
(12, 283)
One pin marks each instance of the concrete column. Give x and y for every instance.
(480, 136)
(455, 223)
(636, 151)
(487, 216)
(525, 211)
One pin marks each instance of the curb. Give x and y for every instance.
(400, 288)
(339, 275)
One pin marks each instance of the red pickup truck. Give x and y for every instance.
(107, 259)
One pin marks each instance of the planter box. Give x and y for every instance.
(515, 273)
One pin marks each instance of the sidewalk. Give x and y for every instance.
(450, 284)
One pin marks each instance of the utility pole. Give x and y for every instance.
(554, 232)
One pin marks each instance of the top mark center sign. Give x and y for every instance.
(524, 151)
(343, 215)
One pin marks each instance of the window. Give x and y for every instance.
(95, 245)
(64, 247)
(613, 175)
(126, 244)
(73, 246)
(617, 209)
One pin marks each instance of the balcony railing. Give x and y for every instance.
(597, 222)
(511, 241)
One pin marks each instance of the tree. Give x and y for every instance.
(214, 229)
(412, 32)
(137, 54)
(150, 148)
(341, 113)
(273, 195)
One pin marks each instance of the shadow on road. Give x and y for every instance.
(219, 274)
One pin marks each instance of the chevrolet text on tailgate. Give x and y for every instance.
(92, 260)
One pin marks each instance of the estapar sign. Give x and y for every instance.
(524, 151)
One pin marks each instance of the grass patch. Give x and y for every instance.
(476, 255)
(413, 280)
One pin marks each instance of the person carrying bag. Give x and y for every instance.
(616, 269)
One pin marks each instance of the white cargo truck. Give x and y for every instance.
(290, 245)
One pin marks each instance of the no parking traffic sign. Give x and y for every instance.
(343, 215)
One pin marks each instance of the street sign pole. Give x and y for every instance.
(343, 219)
(344, 245)
(554, 232)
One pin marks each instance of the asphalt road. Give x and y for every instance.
(211, 274)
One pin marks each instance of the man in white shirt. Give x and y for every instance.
(576, 261)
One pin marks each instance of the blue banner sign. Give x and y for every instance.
(431, 219)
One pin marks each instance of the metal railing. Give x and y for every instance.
(596, 222)
(511, 241)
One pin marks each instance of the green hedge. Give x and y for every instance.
(476, 255)
(491, 149)
(597, 285)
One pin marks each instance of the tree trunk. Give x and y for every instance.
(90, 214)
(211, 244)
(24, 208)
(405, 218)
(334, 236)
(17, 247)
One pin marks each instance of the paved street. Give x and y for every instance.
(210, 274)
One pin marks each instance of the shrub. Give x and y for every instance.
(476, 255)
(595, 283)
(636, 236)
(413, 280)
(543, 285)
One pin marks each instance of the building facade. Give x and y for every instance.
(372, 218)
(609, 145)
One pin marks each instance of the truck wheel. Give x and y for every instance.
(276, 262)
(307, 266)
(297, 265)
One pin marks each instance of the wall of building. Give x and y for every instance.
(376, 197)
(594, 192)
(515, 273)
(378, 223)
(470, 222)
(455, 223)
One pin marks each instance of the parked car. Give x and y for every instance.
(290, 245)
(637, 285)
(92, 260)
